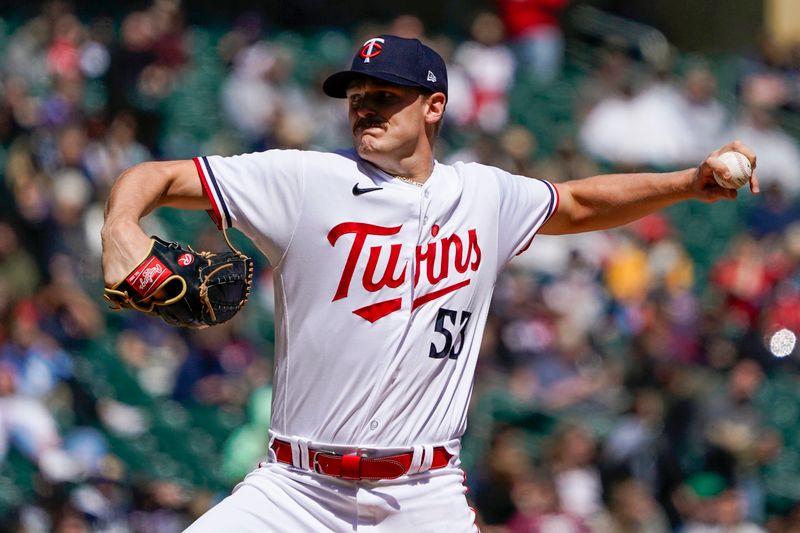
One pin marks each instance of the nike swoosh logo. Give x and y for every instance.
(358, 191)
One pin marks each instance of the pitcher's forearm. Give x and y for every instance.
(619, 198)
(611, 200)
(138, 191)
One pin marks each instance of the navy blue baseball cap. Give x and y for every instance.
(396, 60)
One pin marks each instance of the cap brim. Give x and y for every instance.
(336, 84)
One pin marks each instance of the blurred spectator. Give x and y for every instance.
(330, 129)
(574, 377)
(572, 457)
(63, 104)
(247, 29)
(489, 65)
(106, 158)
(707, 119)
(745, 276)
(63, 53)
(612, 76)
(32, 216)
(732, 424)
(609, 130)
(505, 463)
(566, 163)
(534, 29)
(17, 268)
(71, 520)
(459, 89)
(26, 422)
(539, 509)
(250, 101)
(293, 127)
(70, 195)
(631, 509)
(554, 254)
(154, 355)
(215, 369)
(639, 126)
(408, 26)
(159, 506)
(68, 313)
(576, 299)
(170, 38)
(145, 64)
(104, 499)
(482, 149)
(632, 448)
(95, 57)
(739, 442)
(39, 363)
(783, 311)
(627, 275)
(518, 145)
(709, 505)
(26, 56)
(773, 213)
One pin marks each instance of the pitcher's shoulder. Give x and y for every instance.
(475, 172)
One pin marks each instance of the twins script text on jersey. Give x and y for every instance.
(435, 258)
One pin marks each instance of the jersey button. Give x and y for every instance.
(427, 193)
(425, 220)
(373, 425)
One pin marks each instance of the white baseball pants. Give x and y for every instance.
(281, 498)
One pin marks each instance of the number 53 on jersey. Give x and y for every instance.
(448, 323)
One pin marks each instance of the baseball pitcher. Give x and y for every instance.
(384, 260)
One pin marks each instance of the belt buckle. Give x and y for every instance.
(315, 466)
(315, 461)
(368, 453)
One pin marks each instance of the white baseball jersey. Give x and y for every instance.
(382, 287)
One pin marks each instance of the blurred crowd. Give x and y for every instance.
(637, 380)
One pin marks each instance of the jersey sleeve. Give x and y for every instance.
(260, 194)
(525, 205)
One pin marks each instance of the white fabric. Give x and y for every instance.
(303, 445)
(427, 459)
(296, 457)
(279, 499)
(368, 287)
(416, 459)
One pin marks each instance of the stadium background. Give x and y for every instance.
(626, 381)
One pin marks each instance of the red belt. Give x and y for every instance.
(353, 466)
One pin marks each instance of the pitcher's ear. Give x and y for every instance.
(436, 103)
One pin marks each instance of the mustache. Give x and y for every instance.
(368, 122)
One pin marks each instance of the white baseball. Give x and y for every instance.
(739, 167)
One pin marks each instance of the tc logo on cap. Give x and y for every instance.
(371, 48)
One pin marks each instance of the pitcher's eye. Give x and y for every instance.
(355, 100)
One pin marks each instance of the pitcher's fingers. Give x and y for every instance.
(739, 146)
(755, 188)
(719, 167)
